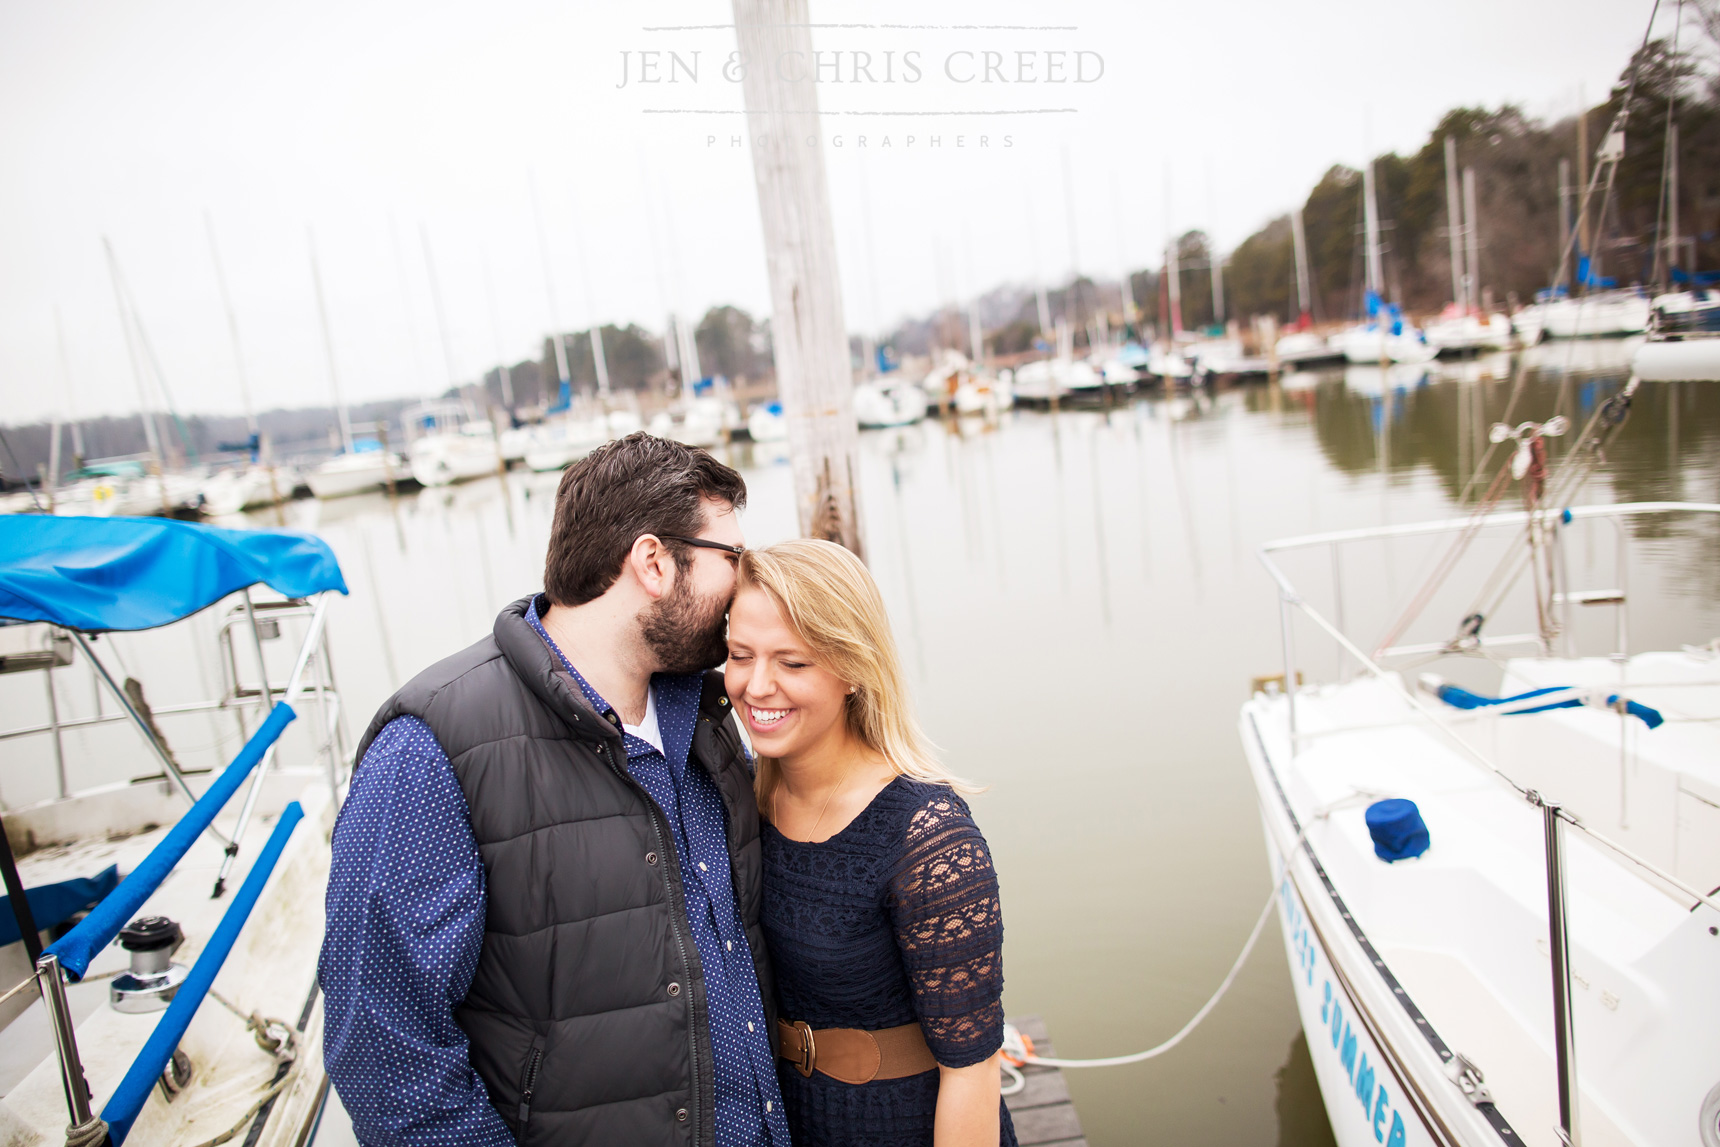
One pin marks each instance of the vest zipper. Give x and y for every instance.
(529, 1084)
(666, 846)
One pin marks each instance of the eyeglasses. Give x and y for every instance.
(704, 544)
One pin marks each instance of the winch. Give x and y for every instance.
(154, 977)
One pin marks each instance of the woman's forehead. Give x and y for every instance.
(755, 613)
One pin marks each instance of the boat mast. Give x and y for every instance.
(1671, 200)
(436, 301)
(328, 346)
(1173, 273)
(232, 326)
(1564, 210)
(1371, 222)
(1217, 261)
(688, 353)
(599, 361)
(1472, 244)
(1304, 289)
(66, 383)
(496, 333)
(1454, 226)
(150, 435)
(814, 378)
(565, 391)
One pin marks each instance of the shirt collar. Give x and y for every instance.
(672, 692)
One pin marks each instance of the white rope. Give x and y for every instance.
(1011, 1036)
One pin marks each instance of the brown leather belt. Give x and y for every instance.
(850, 1055)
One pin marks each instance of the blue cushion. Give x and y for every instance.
(1397, 828)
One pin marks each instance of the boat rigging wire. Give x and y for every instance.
(1520, 374)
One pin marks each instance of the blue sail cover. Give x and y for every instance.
(101, 574)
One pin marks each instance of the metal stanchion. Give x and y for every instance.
(1564, 1031)
(85, 1127)
(1285, 619)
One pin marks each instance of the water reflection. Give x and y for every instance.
(1302, 1118)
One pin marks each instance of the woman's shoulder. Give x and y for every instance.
(911, 813)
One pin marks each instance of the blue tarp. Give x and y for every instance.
(53, 904)
(100, 574)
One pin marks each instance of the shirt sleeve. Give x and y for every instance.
(949, 926)
(405, 924)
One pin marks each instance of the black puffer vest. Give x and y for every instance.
(587, 1014)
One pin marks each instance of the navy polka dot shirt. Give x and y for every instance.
(406, 925)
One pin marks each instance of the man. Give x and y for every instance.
(544, 900)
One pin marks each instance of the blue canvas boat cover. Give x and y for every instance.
(102, 574)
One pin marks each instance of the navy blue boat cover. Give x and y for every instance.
(101, 574)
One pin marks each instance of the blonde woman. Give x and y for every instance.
(880, 902)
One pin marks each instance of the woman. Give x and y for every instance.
(880, 902)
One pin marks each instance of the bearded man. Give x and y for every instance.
(543, 911)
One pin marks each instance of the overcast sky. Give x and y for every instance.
(377, 122)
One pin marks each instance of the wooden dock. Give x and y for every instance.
(1043, 1114)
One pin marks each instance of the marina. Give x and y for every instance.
(1321, 623)
(1117, 550)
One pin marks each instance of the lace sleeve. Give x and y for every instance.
(949, 925)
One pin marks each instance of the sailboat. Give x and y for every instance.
(1460, 326)
(1683, 343)
(257, 482)
(1384, 336)
(1301, 346)
(360, 465)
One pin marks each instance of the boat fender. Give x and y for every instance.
(1397, 829)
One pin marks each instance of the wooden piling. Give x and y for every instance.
(1042, 1111)
(809, 339)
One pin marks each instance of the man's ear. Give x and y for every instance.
(652, 565)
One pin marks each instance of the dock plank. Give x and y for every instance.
(1043, 1114)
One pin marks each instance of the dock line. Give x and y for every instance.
(1018, 1051)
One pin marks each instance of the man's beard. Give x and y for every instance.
(688, 634)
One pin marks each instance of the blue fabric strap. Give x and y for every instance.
(1460, 698)
(129, 1097)
(96, 931)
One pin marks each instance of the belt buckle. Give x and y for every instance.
(808, 1060)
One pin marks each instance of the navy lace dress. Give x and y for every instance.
(893, 920)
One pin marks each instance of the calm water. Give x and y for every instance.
(1081, 610)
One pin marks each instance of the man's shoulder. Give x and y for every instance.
(469, 667)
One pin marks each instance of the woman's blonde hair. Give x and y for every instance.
(828, 597)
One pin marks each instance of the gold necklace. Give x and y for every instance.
(825, 807)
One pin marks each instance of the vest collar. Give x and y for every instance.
(534, 664)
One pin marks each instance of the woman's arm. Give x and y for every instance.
(967, 1105)
(949, 929)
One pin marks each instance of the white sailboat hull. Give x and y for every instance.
(1681, 360)
(1592, 316)
(880, 406)
(1448, 950)
(443, 459)
(351, 474)
(1366, 344)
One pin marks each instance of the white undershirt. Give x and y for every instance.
(646, 730)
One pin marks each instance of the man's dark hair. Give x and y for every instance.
(636, 485)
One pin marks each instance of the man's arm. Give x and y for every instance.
(405, 925)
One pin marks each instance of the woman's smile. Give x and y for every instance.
(767, 720)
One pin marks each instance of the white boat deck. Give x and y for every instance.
(1463, 928)
(271, 970)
